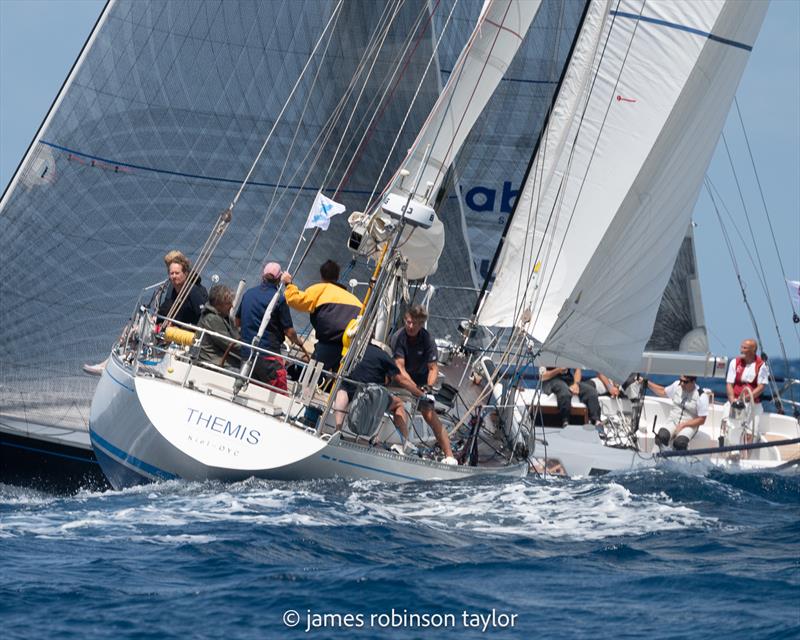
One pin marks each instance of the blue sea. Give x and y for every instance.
(653, 554)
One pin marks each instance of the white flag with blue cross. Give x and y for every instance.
(322, 211)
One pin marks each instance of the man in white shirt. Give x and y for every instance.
(688, 414)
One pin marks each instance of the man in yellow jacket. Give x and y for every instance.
(331, 308)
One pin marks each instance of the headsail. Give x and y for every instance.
(610, 193)
(680, 322)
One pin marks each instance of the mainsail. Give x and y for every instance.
(610, 192)
(150, 138)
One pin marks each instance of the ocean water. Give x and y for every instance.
(653, 554)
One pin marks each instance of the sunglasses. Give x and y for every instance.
(685, 381)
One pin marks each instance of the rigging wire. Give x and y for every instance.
(763, 200)
(321, 140)
(378, 105)
(384, 104)
(758, 255)
(226, 216)
(352, 86)
(772, 383)
(332, 19)
(289, 153)
(710, 186)
(329, 132)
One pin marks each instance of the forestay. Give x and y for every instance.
(611, 189)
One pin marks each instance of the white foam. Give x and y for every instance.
(580, 510)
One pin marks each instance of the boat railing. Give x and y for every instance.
(787, 394)
(192, 341)
(147, 343)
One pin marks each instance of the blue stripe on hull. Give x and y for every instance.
(120, 476)
(369, 468)
(117, 457)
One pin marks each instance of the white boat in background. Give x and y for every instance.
(744, 442)
(601, 219)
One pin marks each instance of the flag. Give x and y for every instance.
(322, 211)
(794, 291)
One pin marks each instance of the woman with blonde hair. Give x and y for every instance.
(178, 269)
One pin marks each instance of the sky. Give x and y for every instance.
(40, 40)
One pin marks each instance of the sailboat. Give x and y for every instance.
(601, 219)
(163, 113)
(157, 414)
(156, 125)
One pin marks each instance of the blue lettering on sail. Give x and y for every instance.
(483, 199)
(223, 426)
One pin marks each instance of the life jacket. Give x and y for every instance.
(738, 384)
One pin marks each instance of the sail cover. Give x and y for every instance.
(154, 130)
(499, 31)
(610, 192)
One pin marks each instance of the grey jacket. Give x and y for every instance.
(213, 348)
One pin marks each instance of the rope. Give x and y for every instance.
(327, 132)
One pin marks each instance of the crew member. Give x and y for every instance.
(750, 371)
(331, 308)
(178, 269)
(415, 354)
(688, 413)
(269, 368)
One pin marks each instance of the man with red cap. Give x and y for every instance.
(269, 368)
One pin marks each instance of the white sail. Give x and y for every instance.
(608, 203)
(491, 48)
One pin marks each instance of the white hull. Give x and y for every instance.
(145, 428)
(578, 450)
